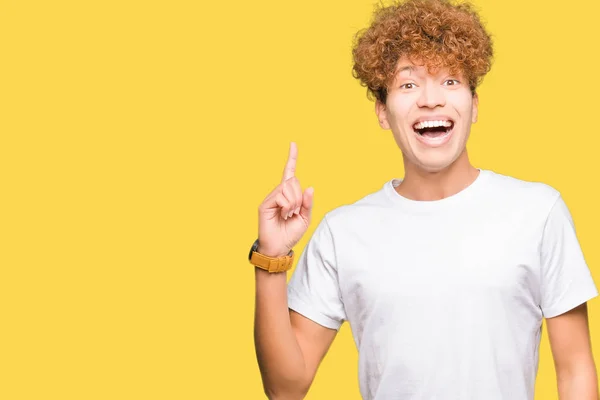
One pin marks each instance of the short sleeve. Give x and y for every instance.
(566, 281)
(313, 289)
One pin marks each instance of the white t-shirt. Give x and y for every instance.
(445, 298)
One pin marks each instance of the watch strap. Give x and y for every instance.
(272, 264)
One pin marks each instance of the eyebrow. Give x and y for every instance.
(405, 68)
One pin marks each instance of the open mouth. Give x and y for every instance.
(433, 129)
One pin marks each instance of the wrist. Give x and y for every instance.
(271, 260)
(271, 253)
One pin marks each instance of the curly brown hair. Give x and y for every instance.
(434, 33)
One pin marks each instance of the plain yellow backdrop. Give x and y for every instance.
(138, 139)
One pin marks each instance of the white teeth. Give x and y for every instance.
(432, 124)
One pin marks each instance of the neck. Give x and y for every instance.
(421, 185)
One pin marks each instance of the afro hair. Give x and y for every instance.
(434, 33)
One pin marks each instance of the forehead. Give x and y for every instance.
(407, 67)
(420, 70)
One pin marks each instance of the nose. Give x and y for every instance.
(431, 96)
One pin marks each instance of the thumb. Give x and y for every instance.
(307, 202)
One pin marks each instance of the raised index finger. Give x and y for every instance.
(290, 166)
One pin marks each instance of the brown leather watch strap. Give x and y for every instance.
(272, 264)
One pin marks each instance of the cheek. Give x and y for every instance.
(398, 109)
(463, 103)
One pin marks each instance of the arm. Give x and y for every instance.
(289, 347)
(571, 349)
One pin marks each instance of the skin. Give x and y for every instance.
(572, 353)
(430, 173)
(289, 361)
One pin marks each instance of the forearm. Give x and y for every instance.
(578, 383)
(278, 353)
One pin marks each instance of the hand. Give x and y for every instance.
(284, 215)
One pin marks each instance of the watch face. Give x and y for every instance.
(253, 249)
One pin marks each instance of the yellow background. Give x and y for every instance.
(139, 137)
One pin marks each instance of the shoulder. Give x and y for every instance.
(364, 211)
(530, 196)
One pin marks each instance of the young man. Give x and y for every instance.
(446, 275)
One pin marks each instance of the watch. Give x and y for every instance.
(271, 264)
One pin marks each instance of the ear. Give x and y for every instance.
(475, 110)
(381, 111)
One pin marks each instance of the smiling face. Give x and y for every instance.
(430, 116)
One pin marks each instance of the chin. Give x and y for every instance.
(437, 159)
(432, 168)
(432, 165)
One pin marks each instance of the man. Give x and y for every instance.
(446, 275)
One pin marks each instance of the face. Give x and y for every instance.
(430, 116)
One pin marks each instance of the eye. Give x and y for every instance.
(454, 82)
(405, 86)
